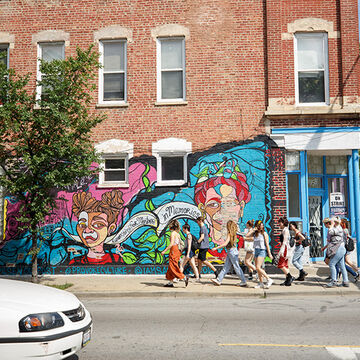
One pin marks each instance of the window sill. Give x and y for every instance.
(170, 103)
(170, 183)
(112, 105)
(309, 110)
(114, 185)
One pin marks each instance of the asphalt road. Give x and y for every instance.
(221, 328)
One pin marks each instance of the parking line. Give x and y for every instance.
(294, 345)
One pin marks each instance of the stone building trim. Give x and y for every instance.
(310, 25)
(51, 36)
(7, 38)
(169, 30)
(113, 32)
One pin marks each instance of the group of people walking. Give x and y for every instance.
(256, 246)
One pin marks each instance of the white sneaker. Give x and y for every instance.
(216, 282)
(176, 280)
(259, 286)
(269, 283)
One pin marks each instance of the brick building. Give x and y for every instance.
(228, 109)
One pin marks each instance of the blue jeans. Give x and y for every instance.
(232, 259)
(348, 268)
(339, 258)
(297, 257)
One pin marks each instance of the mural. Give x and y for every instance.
(122, 231)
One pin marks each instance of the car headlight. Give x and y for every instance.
(39, 322)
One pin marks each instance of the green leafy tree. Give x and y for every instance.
(45, 142)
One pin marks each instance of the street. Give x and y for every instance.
(213, 328)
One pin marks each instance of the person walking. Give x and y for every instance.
(173, 271)
(299, 251)
(335, 251)
(189, 252)
(284, 251)
(232, 258)
(261, 247)
(350, 266)
(249, 250)
(204, 247)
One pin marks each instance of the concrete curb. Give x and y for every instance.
(186, 294)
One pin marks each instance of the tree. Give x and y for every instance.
(45, 142)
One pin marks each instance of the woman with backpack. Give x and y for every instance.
(299, 251)
(350, 266)
(189, 252)
(232, 258)
(335, 250)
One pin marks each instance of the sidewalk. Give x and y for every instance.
(86, 286)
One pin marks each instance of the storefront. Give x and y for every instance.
(322, 180)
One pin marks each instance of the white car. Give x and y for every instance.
(40, 322)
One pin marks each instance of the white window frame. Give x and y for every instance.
(101, 72)
(5, 47)
(39, 57)
(102, 181)
(324, 36)
(159, 71)
(114, 149)
(171, 147)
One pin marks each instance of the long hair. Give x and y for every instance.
(344, 223)
(174, 225)
(258, 228)
(232, 229)
(284, 220)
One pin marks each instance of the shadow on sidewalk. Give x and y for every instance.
(156, 284)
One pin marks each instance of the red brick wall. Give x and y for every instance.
(224, 63)
(343, 51)
(278, 191)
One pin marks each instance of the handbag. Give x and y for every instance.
(292, 242)
(349, 244)
(249, 246)
(195, 245)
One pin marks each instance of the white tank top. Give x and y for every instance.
(259, 242)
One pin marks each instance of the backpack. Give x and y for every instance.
(194, 243)
(349, 244)
(306, 241)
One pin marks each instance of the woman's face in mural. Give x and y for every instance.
(222, 207)
(93, 228)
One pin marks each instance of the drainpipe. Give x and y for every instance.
(351, 195)
(355, 156)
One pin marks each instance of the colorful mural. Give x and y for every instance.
(122, 231)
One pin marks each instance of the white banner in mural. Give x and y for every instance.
(159, 219)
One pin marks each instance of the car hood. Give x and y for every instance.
(25, 298)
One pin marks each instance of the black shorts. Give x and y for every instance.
(202, 254)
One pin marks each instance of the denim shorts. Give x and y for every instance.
(260, 253)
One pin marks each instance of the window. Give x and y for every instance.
(114, 170)
(171, 69)
(4, 55)
(311, 68)
(112, 77)
(292, 164)
(49, 52)
(171, 155)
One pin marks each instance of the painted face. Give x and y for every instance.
(93, 228)
(220, 208)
